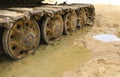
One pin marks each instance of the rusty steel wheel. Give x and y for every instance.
(52, 28)
(70, 23)
(21, 39)
(82, 18)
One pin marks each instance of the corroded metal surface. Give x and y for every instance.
(21, 38)
(22, 27)
(52, 28)
(70, 22)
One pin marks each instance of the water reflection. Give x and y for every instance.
(106, 37)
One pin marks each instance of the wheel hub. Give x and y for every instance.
(29, 40)
(57, 30)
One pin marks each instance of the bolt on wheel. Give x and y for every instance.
(21, 39)
(70, 23)
(52, 28)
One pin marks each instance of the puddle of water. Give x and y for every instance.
(106, 37)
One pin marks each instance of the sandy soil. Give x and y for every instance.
(77, 55)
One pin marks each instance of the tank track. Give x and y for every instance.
(22, 29)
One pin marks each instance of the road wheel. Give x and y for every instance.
(70, 22)
(52, 28)
(21, 39)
